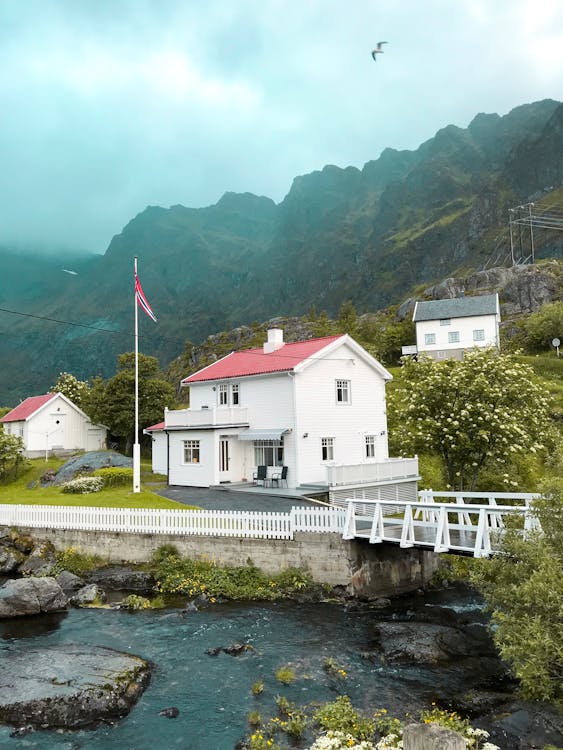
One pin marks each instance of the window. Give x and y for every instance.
(191, 451)
(446, 322)
(441, 355)
(429, 338)
(268, 452)
(342, 391)
(235, 394)
(370, 446)
(479, 334)
(453, 337)
(327, 449)
(223, 395)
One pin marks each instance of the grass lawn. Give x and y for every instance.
(25, 490)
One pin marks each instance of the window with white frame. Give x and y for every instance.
(327, 449)
(479, 334)
(191, 451)
(441, 355)
(446, 322)
(223, 394)
(370, 446)
(235, 394)
(453, 337)
(343, 392)
(268, 452)
(429, 338)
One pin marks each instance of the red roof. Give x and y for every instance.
(155, 427)
(255, 362)
(27, 408)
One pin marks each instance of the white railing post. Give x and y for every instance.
(377, 528)
(442, 542)
(349, 522)
(407, 532)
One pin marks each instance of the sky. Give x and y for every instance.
(107, 106)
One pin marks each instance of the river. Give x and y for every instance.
(213, 692)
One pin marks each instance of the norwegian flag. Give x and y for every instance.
(142, 300)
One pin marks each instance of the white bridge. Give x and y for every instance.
(471, 523)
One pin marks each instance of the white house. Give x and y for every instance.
(316, 407)
(53, 424)
(445, 328)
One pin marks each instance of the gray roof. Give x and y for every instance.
(461, 307)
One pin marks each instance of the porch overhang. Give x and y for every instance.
(273, 433)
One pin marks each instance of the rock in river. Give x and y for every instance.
(69, 686)
(30, 596)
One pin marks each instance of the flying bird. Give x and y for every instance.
(72, 273)
(378, 50)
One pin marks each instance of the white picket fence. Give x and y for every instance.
(246, 524)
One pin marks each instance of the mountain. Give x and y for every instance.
(369, 235)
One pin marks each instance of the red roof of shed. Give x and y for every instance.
(255, 362)
(27, 408)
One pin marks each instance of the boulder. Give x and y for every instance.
(69, 686)
(431, 737)
(121, 578)
(40, 561)
(171, 712)
(30, 596)
(427, 643)
(87, 595)
(69, 582)
(9, 560)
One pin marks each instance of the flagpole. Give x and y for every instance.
(136, 446)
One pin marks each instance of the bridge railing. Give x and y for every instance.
(443, 527)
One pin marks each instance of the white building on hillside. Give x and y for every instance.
(445, 328)
(51, 423)
(315, 407)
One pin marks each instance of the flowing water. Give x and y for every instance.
(213, 692)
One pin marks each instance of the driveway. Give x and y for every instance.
(212, 499)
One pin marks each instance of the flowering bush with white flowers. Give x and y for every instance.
(83, 486)
(479, 413)
(334, 740)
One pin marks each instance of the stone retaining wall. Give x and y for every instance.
(368, 570)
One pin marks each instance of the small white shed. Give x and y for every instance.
(52, 424)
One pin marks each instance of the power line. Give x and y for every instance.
(162, 338)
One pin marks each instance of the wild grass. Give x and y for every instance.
(26, 490)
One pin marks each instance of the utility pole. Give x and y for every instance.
(510, 219)
(530, 205)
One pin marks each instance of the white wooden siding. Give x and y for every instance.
(465, 327)
(319, 415)
(41, 431)
(159, 453)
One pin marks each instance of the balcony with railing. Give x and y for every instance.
(389, 470)
(214, 416)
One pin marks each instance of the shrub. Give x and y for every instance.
(75, 562)
(257, 687)
(115, 476)
(254, 719)
(285, 674)
(341, 716)
(177, 575)
(83, 486)
(135, 602)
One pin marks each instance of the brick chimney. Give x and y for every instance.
(275, 340)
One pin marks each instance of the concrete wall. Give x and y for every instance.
(367, 570)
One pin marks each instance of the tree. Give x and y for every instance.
(543, 326)
(347, 318)
(477, 413)
(74, 389)
(523, 587)
(11, 455)
(112, 402)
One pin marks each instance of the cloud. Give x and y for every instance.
(110, 106)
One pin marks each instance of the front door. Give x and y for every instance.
(224, 460)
